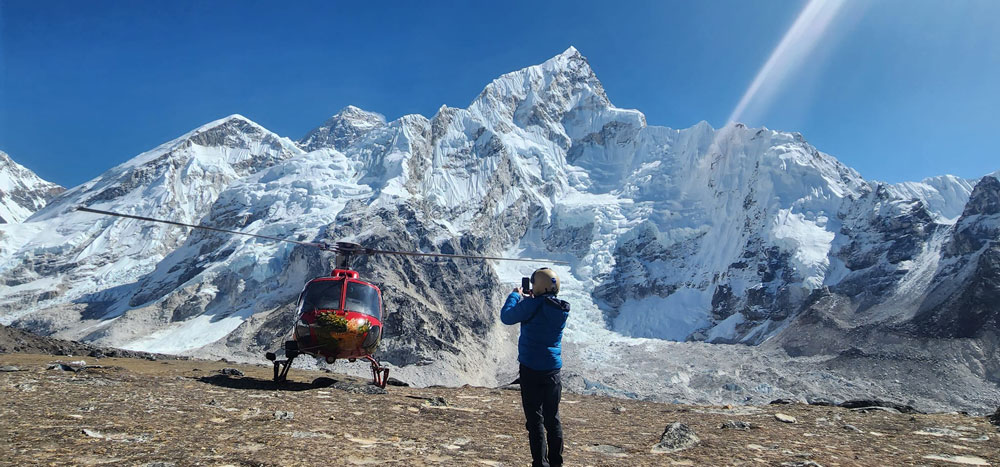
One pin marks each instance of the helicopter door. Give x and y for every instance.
(363, 298)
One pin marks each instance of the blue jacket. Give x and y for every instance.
(542, 322)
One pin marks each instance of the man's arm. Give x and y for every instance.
(515, 309)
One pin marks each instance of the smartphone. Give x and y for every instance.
(526, 285)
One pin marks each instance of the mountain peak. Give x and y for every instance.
(570, 52)
(559, 83)
(357, 116)
(22, 192)
(342, 129)
(570, 61)
(985, 198)
(236, 119)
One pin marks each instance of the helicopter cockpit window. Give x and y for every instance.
(321, 295)
(363, 299)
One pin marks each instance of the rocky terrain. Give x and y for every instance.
(13, 340)
(194, 412)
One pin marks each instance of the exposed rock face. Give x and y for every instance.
(342, 129)
(965, 299)
(21, 191)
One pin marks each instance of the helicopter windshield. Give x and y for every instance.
(321, 295)
(363, 299)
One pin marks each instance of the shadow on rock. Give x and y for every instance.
(254, 383)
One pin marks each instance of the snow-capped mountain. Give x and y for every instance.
(71, 260)
(22, 192)
(730, 235)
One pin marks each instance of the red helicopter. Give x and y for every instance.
(340, 315)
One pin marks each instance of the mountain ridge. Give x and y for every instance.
(22, 192)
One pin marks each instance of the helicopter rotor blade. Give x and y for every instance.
(342, 248)
(321, 246)
(369, 251)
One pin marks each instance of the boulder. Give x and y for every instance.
(676, 437)
(868, 403)
(784, 418)
(231, 372)
(736, 425)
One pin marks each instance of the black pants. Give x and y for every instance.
(540, 393)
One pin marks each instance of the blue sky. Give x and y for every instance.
(898, 89)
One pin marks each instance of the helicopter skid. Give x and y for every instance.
(380, 376)
(280, 366)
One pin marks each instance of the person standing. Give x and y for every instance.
(539, 350)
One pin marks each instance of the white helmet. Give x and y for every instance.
(544, 281)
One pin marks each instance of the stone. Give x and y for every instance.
(875, 409)
(26, 387)
(964, 460)
(801, 464)
(96, 353)
(867, 403)
(934, 431)
(396, 382)
(783, 418)
(820, 401)
(231, 372)
(995, 418)
(8, 368)
(437, 402)
(282, 415)
(618, 410)
(782, 402)
(736, 425)
(676, 437)
(851, 428)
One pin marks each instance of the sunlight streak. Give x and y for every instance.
(790, 54)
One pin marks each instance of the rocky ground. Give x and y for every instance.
(16, 340)
(191, 412)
